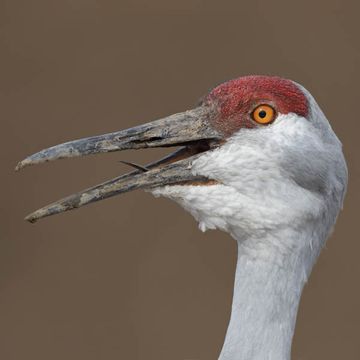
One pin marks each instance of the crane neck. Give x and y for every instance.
(269, 280)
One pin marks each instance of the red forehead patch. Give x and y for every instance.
(236, 98)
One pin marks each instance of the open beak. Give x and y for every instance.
(191, 130)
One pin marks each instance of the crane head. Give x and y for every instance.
(255, 154)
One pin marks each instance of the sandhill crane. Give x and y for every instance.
(258, 160)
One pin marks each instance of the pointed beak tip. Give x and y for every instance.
(21, 164)
(31, 218)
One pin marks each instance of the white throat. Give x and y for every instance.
(266, 296)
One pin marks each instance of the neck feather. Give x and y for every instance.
(268, 283)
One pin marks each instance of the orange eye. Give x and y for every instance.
(263, 114)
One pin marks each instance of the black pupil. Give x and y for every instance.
(262, 114)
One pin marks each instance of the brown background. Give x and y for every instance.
(132, 277)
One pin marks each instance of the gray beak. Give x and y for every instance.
(191, 130)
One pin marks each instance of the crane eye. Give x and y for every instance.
(263, 114)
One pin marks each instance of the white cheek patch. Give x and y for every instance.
(253, 195)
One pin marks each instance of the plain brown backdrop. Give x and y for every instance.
(132, 277)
